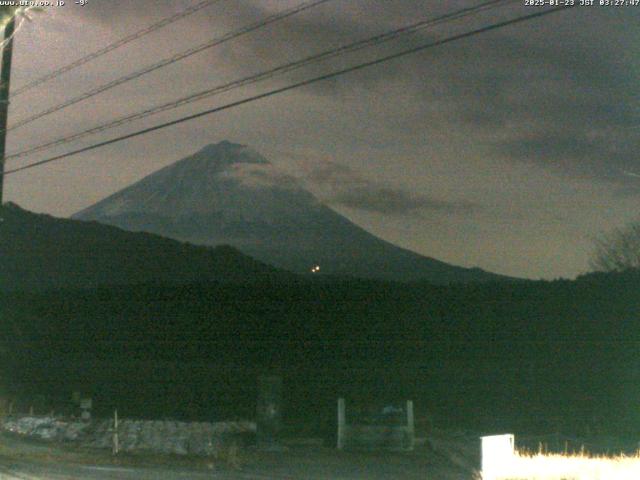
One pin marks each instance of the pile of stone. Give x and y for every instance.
(158, 436)
(45, 428)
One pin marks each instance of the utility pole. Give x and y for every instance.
(5, 78)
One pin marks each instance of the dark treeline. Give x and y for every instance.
(527, 356)
(39, 252)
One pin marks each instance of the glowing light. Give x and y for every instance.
(497, 455)
(315, 269)
(578, 467)
(501, 462)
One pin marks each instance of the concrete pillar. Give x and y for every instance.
(341, 423)
(116, 440)
(269, 411)
(410, 425)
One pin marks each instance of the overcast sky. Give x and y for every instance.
(509, 151)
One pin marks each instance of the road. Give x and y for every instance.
(440, 459)
(35, 471)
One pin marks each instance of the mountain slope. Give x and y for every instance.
(39, 251)
(229, 194)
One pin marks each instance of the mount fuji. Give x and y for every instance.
(229, 194)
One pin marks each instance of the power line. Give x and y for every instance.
(117, 44)
(173, 59)
(293, 86)
(352, 47)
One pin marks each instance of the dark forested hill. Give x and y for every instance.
(545, 356)
(158, 328)
(39, 252)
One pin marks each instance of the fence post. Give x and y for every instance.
(116, 445)
(410, 424)
(341, 423)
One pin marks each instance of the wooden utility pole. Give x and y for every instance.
(5, 75)
(5, 78)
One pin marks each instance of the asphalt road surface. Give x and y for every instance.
(439, 459)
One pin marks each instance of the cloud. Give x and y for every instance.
(262, 176)
(390, 201)
(345, 187)
(540, 93)
(576, 151)
(557, 92)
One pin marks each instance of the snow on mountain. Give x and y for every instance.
(229, 194)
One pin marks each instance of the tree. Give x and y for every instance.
(618, 250)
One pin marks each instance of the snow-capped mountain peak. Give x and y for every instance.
(227, 193)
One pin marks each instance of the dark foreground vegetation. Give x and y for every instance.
(529, 356)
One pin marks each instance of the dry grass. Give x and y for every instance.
(581, 466)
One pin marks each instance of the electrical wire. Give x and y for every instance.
(113, 46)
(293, 86)
(168, 61)
(316, 58)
